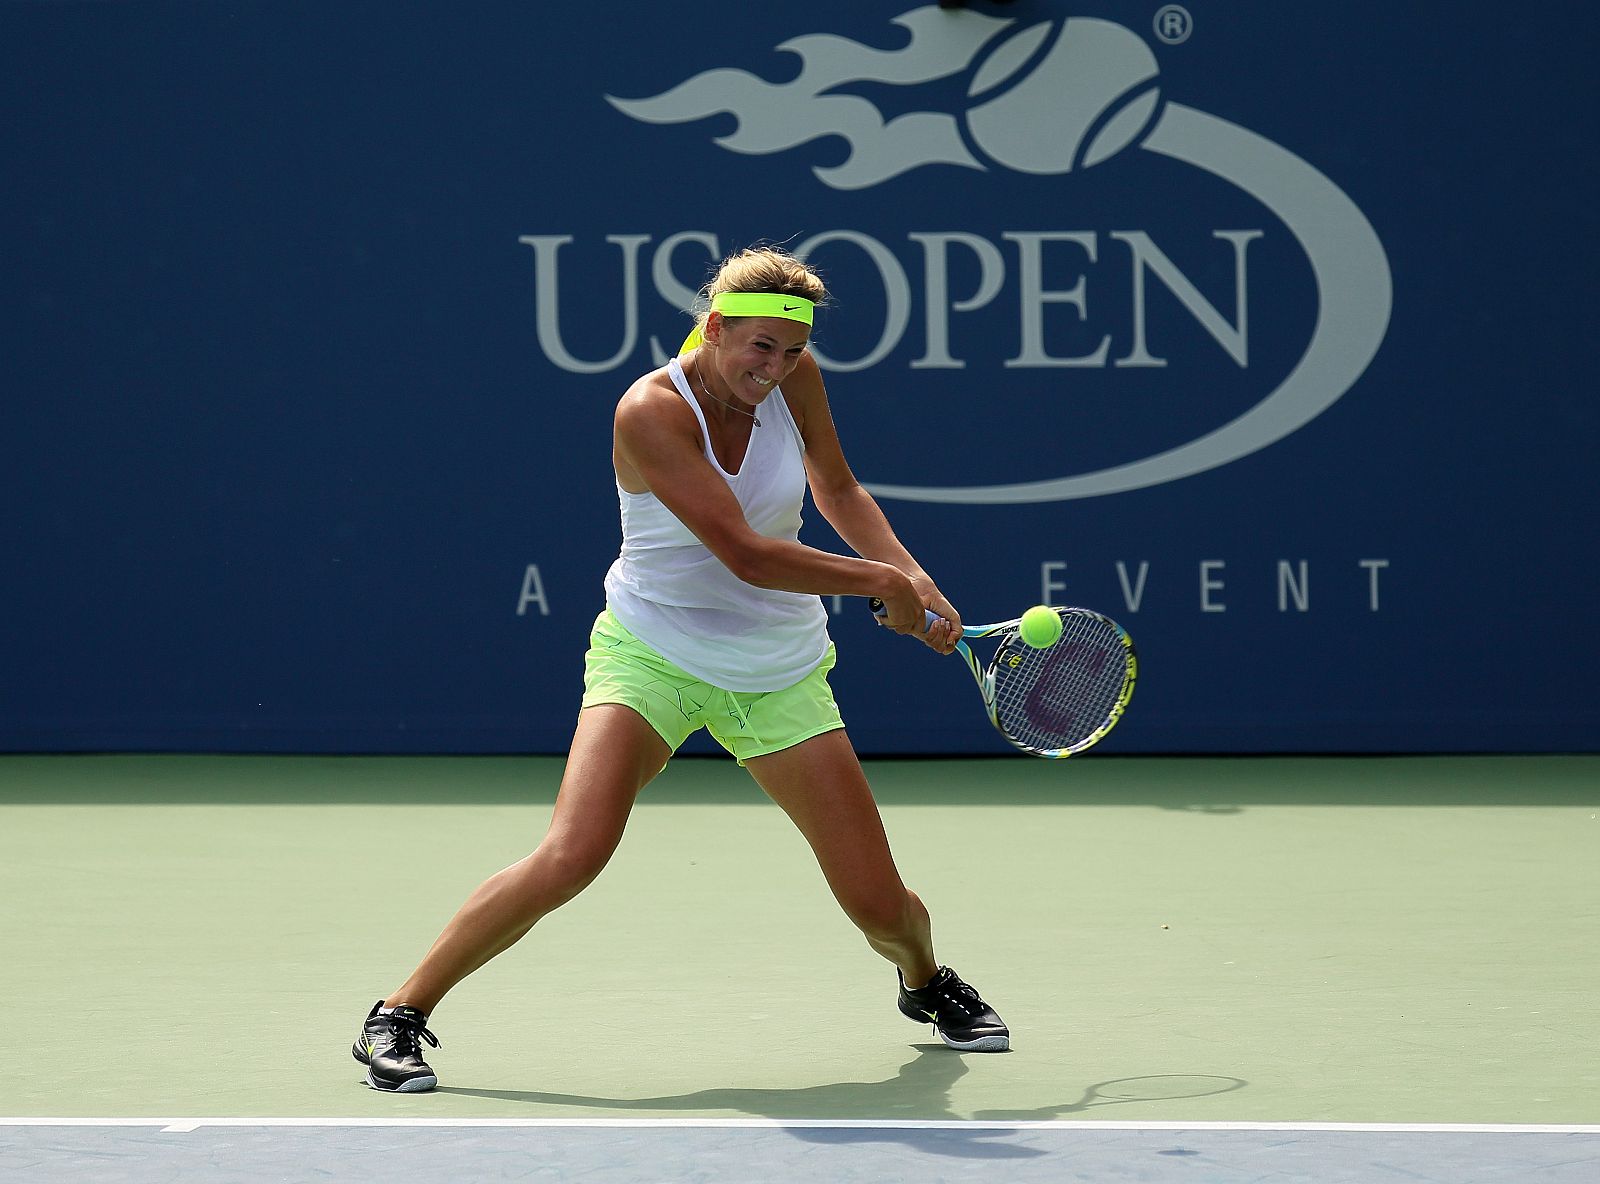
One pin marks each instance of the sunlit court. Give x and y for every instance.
(1384, 961)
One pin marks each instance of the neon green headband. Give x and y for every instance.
(754, 304)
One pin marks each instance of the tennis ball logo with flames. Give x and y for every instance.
(1048, 98)
(1096, 81)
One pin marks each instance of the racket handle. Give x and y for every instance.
(881, 611)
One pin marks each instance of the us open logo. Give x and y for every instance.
(1058, 98)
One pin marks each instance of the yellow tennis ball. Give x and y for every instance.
(1040, 626)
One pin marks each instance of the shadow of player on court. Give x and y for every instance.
(919, 1091)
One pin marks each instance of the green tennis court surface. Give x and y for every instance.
(1407, 940)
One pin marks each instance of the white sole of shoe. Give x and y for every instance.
(416, 1085)
(982, 1044)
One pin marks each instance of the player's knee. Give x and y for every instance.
(886, 917)
(563, 868)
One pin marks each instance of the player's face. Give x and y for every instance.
(755, 354)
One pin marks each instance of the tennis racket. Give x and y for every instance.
(1062, 698)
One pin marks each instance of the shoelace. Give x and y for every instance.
(406, 1033)
(961, 995)
(958, 993)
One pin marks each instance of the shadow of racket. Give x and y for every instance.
(1122, 1091)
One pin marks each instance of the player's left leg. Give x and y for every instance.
(819, 783)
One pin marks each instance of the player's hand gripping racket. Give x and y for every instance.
(1054, 700)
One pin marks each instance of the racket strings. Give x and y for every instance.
(1059, 696)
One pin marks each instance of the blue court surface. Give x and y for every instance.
(601, 1151)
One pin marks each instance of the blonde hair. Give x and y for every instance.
(760, 269)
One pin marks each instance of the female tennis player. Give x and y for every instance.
(713, 620)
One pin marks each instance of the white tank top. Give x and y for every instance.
(674, 595)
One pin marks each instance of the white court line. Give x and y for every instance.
(185, 1125)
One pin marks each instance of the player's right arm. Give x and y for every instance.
(657, 447)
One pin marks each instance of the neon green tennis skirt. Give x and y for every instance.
(619, 668)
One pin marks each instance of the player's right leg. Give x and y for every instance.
(614, 754)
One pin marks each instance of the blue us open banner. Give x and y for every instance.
(1266, 329)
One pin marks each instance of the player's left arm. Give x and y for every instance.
(847, 505)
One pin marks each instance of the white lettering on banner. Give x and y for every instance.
(1293, 584)
(1288, 586)
(674, 292)
(896, 296)
(1048, 584)
(1208, 586)
(532, 592)
(1373, 566)
(547, 299)
(1144, 255)
(936, 291)
(1132, 596)
(1233, 338)
(1035, 296)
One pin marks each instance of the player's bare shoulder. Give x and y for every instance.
(652, 405)
(652, 421)
(648, 390)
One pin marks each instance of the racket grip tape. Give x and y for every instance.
(881, 610)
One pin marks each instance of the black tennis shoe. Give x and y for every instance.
(962, 1020)
(390, 1046)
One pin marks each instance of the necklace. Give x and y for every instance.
(702, 378)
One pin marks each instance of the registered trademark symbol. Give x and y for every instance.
(1173, 24)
